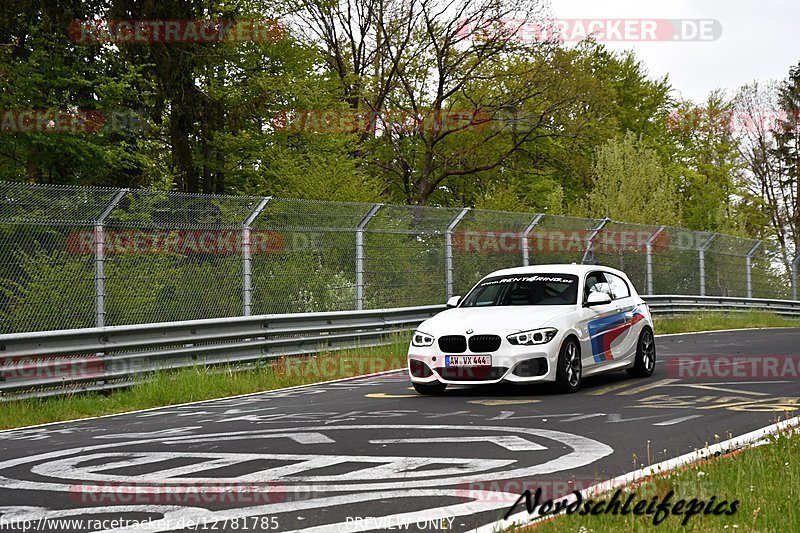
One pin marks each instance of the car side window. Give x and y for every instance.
(619, 288)
(595, 282)
(488, 296)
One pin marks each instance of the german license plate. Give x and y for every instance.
(467, 360)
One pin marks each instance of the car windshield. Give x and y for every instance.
(527, 289)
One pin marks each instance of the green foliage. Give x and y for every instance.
(788, 135)
(631, 184)
(42, 71)
(320, 168)
(709, 154)
(202, 383)
(771, 160)
(49, 290)
(206, 116)
(720, 321)
(580, 130)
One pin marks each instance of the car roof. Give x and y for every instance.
(564, 268)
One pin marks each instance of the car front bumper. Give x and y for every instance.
(510, 364)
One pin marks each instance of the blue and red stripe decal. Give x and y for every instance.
(605, 330)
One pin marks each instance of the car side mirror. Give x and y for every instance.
(597, 298)
(453, 301)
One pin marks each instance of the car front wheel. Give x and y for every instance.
(645, 362)
(430, 388)
(568, 369)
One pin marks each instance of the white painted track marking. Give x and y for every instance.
(381, 467)
(584, 451)
(509, 442)
(677, 420)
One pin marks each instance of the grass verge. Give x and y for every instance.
(715, 321)
(203, 383)
(764, 479)
(200, 383)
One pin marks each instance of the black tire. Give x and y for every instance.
(569, 370)
(645, 362)
(429, 389)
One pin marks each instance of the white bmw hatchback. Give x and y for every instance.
(545, 323)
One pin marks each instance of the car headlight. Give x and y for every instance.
(421, 339)
(534, 336)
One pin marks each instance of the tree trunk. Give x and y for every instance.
(182, 161)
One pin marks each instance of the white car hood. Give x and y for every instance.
(494, 319)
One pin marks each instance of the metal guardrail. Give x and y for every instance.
(54, 362)
(76, 360)
(678, 304)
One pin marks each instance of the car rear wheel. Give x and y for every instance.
(569, 370)
(645, 362)
(436, 387)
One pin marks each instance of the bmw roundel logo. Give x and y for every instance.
(469, 332)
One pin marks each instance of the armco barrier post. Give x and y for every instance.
(589, 253)
(247, 257)
(524, 240)
(749, 266)
(649, 258)
(448, 251)
(702, 258)
(360, 255)
(100, 260)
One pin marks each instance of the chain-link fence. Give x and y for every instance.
(74, 257)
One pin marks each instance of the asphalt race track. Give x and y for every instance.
(369, 453)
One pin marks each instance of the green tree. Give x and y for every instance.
(709, 155)
(787, 148)
(631, 185)
(615, 94)
(769, 113)
(416, 65)
(43, 71)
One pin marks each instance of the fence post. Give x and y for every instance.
(649, 258)
(524, 239)
(795, 262)
(360, 255)
(100, 260)
(749, 265)
(702, 257)
(247, 257)
(589, 253)
(448, 251)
